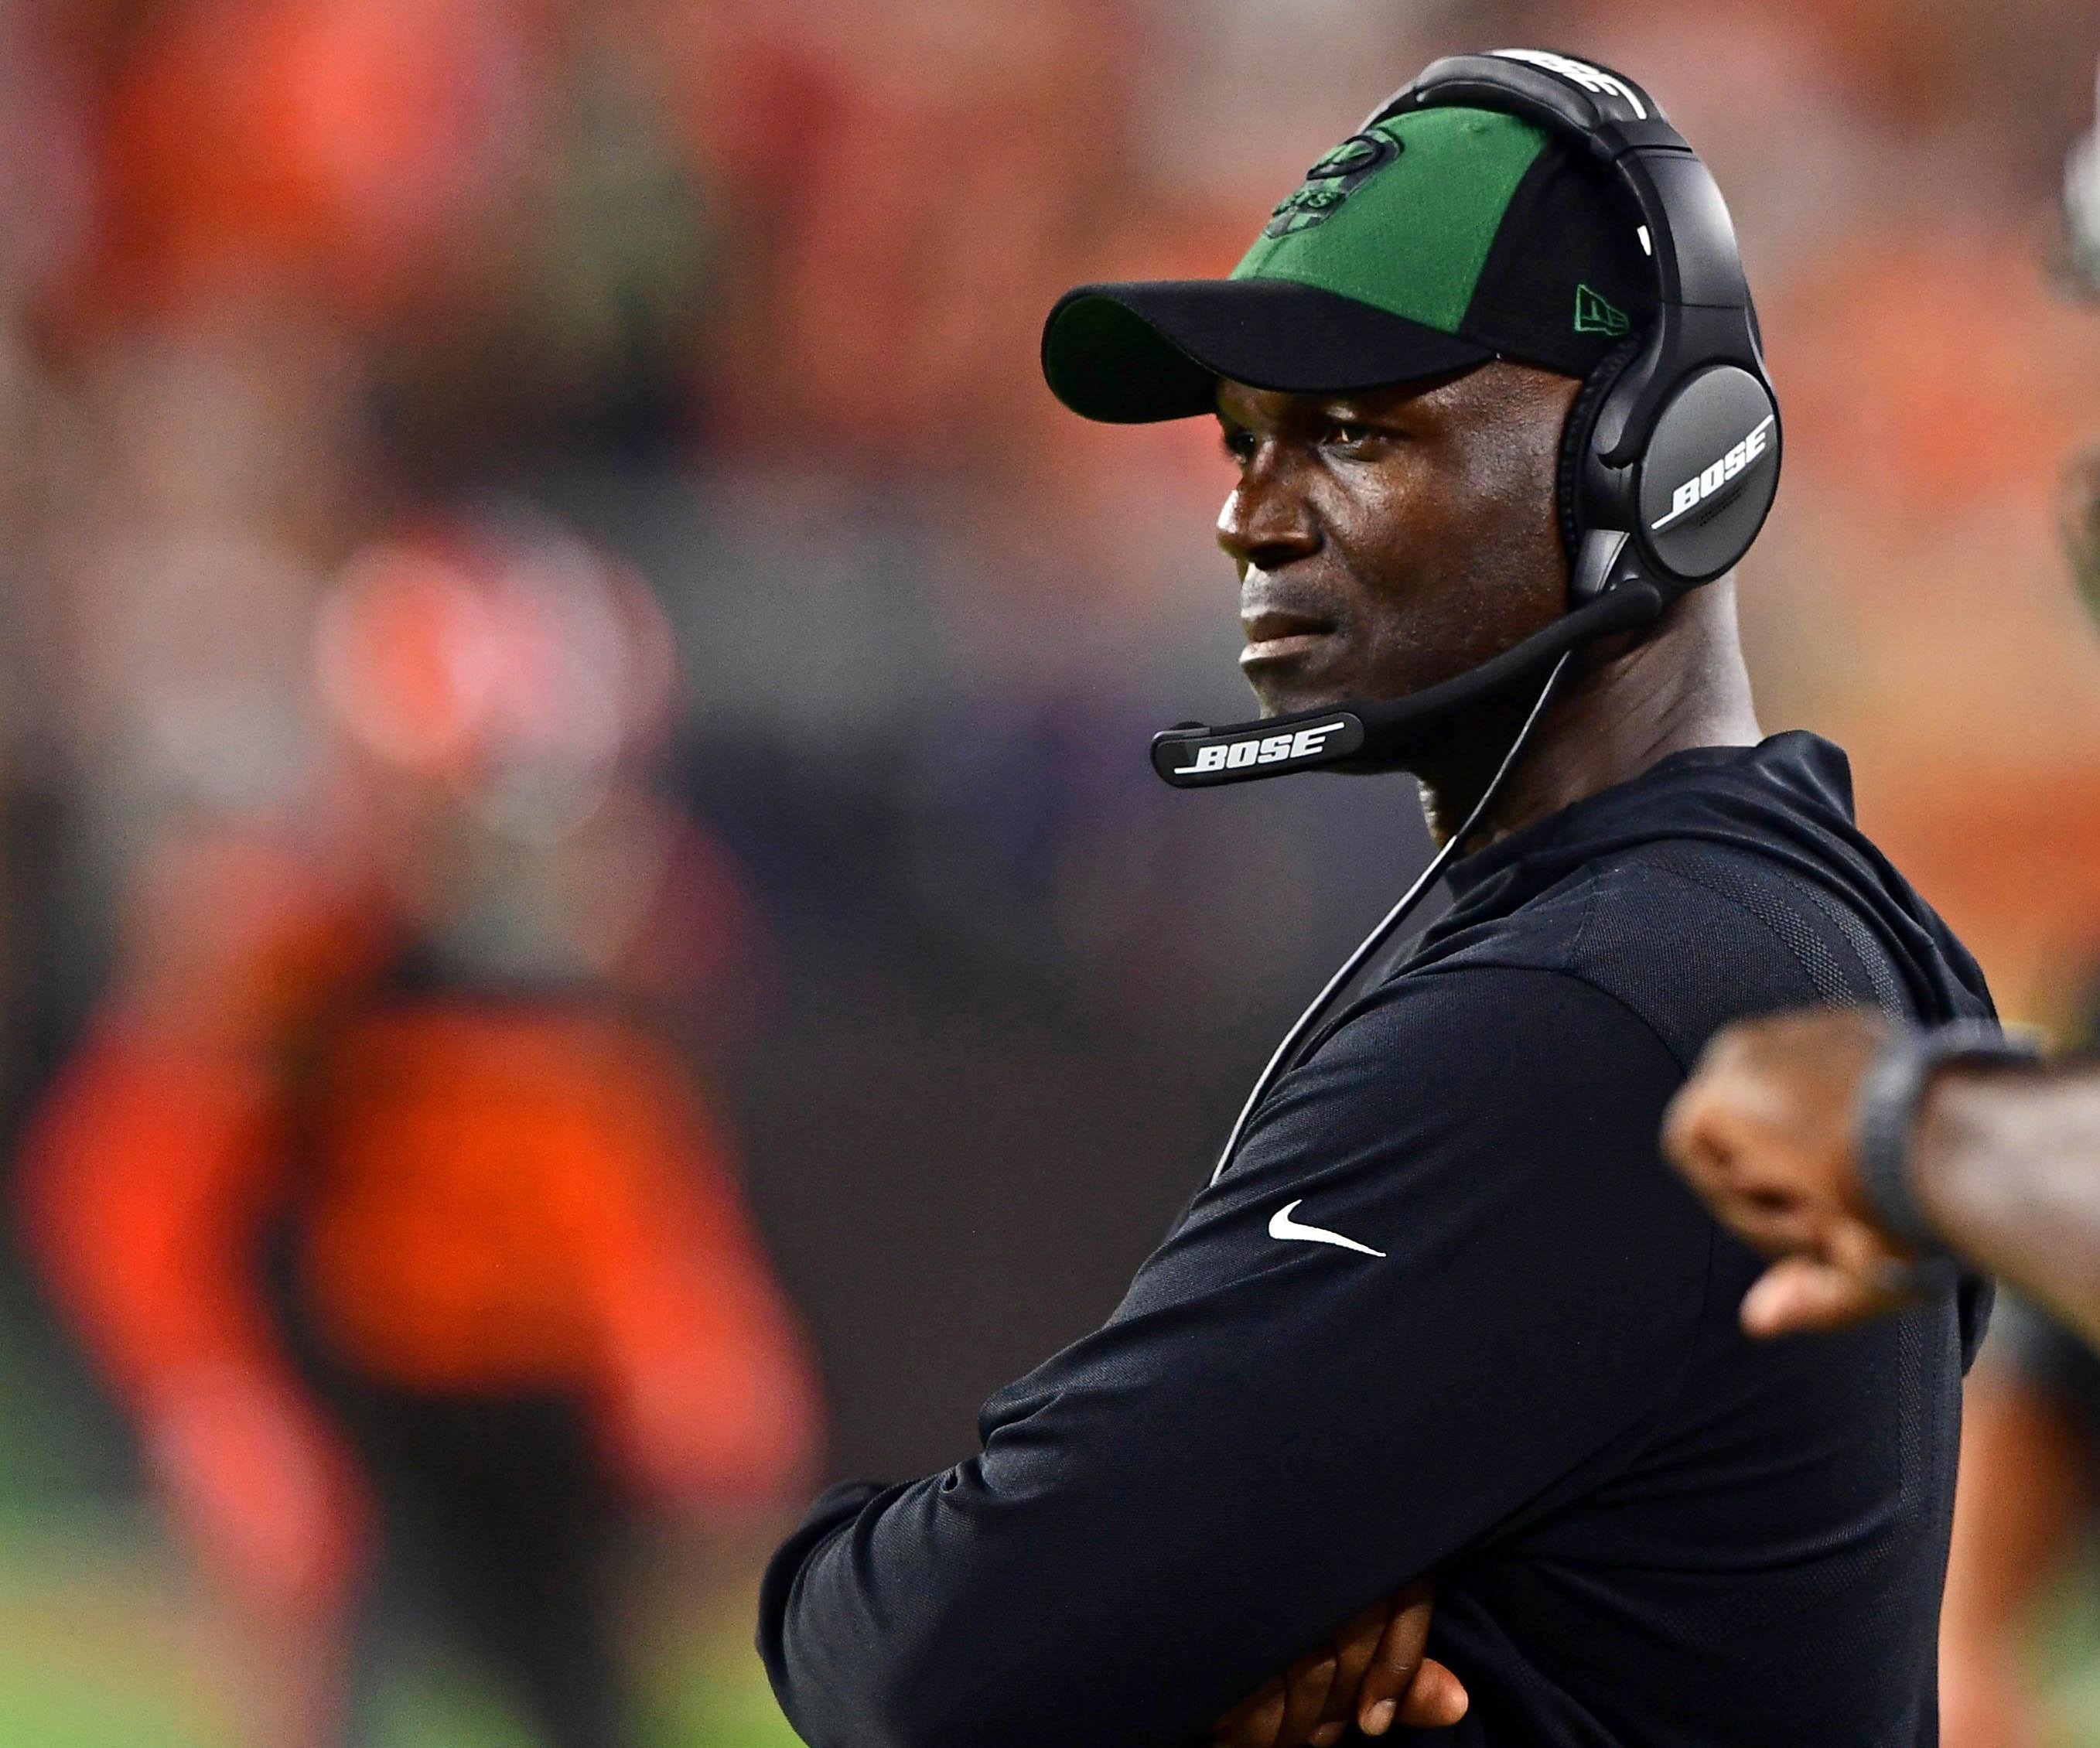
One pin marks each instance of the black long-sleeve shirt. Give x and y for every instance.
(1446, 1312)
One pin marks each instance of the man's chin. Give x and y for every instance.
(1306, 682)
(1279, 696)
(1285, 684)
(1292, 703)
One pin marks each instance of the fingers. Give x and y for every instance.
(1684, 1130)
(1768, 1149)
(1306, 1684)
(1393, 1668)
(1283, 1712)
(1437, 1700)
(1374, 1670)
(1732, 1165)
(1354, 1648)
(1701, 1126)
(1802, 1293)
(1716, 1136)
(1828, 1039)
(1793, 1075)
(1254, 1722)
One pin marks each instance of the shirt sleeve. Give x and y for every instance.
(1445, 1280)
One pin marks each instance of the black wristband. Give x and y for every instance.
(1886, 1113)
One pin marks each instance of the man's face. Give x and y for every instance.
(1391, 538)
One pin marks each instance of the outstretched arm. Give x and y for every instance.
(2004, 1161)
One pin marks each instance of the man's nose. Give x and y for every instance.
(1266, 523)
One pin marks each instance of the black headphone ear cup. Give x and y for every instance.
(1575, 439)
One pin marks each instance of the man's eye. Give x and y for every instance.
(1345, 434)
(1239, 445)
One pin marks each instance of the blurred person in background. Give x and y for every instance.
(383, 1202)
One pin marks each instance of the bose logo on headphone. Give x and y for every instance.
(1710, 478)
(1270, 749)
(1592, 79)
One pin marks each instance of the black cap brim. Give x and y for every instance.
(1132, 353)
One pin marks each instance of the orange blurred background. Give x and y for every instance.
(536, 527)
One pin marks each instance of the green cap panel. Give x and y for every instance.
(1406, 230)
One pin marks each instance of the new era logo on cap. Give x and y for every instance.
(1594, 313)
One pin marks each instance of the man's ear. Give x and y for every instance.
(1551, 400)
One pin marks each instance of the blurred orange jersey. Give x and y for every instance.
(485, 1194)
(506, 1192)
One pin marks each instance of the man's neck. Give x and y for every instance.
(1683, 685)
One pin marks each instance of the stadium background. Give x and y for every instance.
(741, 300)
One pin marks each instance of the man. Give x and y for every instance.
(1443, 1314)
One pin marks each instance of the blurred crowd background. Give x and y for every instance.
(586, 939)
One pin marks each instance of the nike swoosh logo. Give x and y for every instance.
(1282, 1225)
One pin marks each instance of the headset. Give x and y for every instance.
(1668, 465)
(1670, 458)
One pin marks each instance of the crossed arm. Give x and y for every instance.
(1146, 1536)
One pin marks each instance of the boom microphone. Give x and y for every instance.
(1369, 735)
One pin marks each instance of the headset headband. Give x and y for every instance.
(1703, 312)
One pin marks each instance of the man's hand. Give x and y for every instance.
(1764, 1131)
(1374, 1672)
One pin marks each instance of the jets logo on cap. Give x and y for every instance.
(1332, 180)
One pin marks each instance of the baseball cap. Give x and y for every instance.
(1430, 241)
